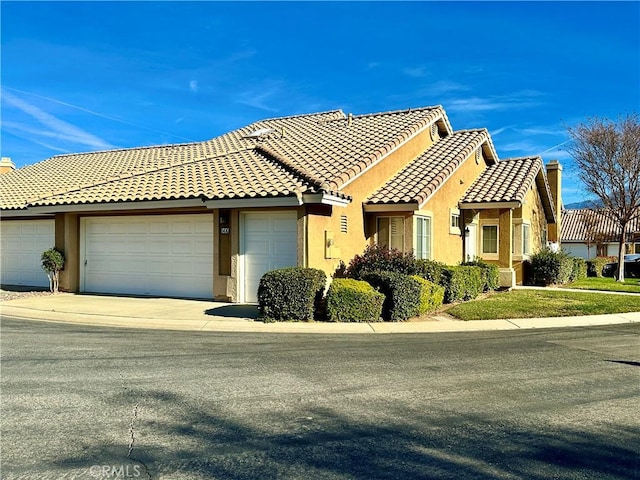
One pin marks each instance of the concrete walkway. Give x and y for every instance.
(195, 315)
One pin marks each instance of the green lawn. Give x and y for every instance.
(608, 284)
(544, 303)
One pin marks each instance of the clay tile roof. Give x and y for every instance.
(273, 157)
(587, 224)
(508, 181)
(423, 176)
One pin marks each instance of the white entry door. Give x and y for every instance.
(268, 241)
(164, 255)
(21, 245)
(470, 245)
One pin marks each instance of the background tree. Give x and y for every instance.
(607, 155)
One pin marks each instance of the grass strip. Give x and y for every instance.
(630, 285)
(544, 303)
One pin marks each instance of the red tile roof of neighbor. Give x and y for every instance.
(583, 224)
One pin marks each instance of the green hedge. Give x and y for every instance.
(402, 294)
(431, 295)
(290, 293)
(350, 300)
(579, 269)
(594, 266)
(430, 270)
(462, 283)
(551, 268)
(490, 274)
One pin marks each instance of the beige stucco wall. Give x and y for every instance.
(531, 213)
(447, 244)
(67, 240)
(360, 226)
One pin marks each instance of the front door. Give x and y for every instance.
(470, 244)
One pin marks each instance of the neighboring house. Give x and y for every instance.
(589, 233)
(207, 219)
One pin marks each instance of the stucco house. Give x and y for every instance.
(207, 219)
(588, 233)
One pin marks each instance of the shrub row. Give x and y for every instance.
(461, 283)
(594, 266)
(556, 268)
(295, 293)
(381, 282)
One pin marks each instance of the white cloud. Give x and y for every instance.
(443, 87)
(262, 98)
(54, 127)
(416, 72)
(193, 86)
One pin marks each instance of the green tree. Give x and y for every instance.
(52, 263)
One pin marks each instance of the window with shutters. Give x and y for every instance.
(390, 232)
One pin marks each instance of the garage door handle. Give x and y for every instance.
(85, 263)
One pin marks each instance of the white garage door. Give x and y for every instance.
(167, 255)
(269, 241)
(21, 245)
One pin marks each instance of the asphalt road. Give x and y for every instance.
(89, 402)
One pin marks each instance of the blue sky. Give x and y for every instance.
(83, 76)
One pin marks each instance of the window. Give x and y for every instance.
(490, 239)
(526, 242)
(390, 232)
(422, 243)
(454, 221)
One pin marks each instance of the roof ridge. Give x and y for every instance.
(395, 112)
(309, 177)
(529, 157)
(471, 130)
(136, 173)
(124, 149)
(376, 154)
(299, 115)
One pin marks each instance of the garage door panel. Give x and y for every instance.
(151, 255)
(182, 247)
(159, 247)
(159, 227)
(21, 245)
(269, 242)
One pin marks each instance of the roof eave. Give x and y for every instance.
(488, 205)
(391, 207)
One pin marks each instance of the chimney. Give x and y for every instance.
(6, 165)
(554, 176)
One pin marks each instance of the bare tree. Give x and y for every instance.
(608, 158)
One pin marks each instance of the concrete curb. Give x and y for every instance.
(191, 322)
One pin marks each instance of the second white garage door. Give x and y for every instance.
(165, 255)
(21, 245)
(269, 241)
